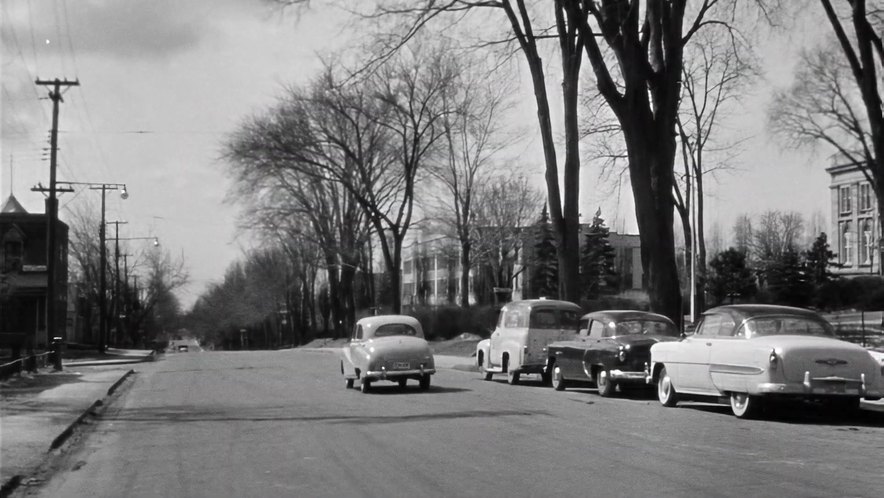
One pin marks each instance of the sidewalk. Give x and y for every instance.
(38, 411)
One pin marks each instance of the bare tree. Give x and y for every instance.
(743, 234)
(473, 136)
(715, 74)
(507, 206)
(836, 96)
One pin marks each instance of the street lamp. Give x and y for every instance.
(102, 319)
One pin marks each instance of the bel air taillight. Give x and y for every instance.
(774, 359)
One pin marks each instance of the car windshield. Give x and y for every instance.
(390, 329)
(645, 327)
(784, 325)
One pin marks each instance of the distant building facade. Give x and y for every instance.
(431, 272)
(854, 230)
(23, 277)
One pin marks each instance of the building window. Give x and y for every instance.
(866, 242)
(844, 200)
(846, 243)
(865, 197)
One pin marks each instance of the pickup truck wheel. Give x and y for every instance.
(349, 384)
(512, 377)
(488, 375)
(603, 382)
(365, 385)
(558, 382)
(744, 405)
(665, 391)
(425, 382)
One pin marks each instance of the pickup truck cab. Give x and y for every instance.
(524, 329)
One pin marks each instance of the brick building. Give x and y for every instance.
(23, 276)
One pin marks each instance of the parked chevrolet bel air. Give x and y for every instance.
(748, 354)
(390, 348)
(612, 348)
(524, 329)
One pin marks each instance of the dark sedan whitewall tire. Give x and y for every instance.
(604, 384)
(665, 390)
(558, 382)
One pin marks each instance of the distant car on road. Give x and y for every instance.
(749, 354)
(611, 348)
(387, 348)
(524, 329)
(182, 348)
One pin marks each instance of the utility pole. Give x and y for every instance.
(52, 209)
(116, 299)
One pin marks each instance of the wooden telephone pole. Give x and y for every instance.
(52, 209)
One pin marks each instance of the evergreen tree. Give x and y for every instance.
(730, 277)
(818, 260)
(788, 281)
(545, 264)
(597, 270)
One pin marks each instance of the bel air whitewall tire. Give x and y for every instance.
(665, 390)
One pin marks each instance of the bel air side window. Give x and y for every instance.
(784, 325)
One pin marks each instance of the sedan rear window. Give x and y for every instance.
(645, 327)
(395, 329)
(783, 325)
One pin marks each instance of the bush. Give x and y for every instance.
(447, 322)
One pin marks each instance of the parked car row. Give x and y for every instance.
(743, 355)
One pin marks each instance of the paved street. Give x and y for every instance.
(282, 424)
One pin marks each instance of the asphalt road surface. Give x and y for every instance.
(282, 424)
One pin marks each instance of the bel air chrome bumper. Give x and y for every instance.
(620, 376)
(822, 386)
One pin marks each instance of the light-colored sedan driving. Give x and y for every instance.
(387, 348)
(747, 354)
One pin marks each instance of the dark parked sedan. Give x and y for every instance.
(610, 349)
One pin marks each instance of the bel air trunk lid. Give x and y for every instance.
(825, 359)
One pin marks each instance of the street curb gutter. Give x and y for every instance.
(13, 482)
(61, 438)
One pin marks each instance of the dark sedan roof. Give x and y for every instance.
(752, 310)
(623, 315)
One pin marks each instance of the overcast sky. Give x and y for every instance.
(163, 82)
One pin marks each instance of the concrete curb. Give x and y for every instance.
(65, 434)
(13, 482)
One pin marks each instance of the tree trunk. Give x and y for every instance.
(651, 158)
(465, 248)
(700, 302)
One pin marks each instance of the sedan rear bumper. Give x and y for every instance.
(384, 374)
(821, 386)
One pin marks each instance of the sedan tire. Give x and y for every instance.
(365, 385)
(425, 382)
(603, 382)
(665, 390)
(349, 384)
(512, 377)
(558, 381)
